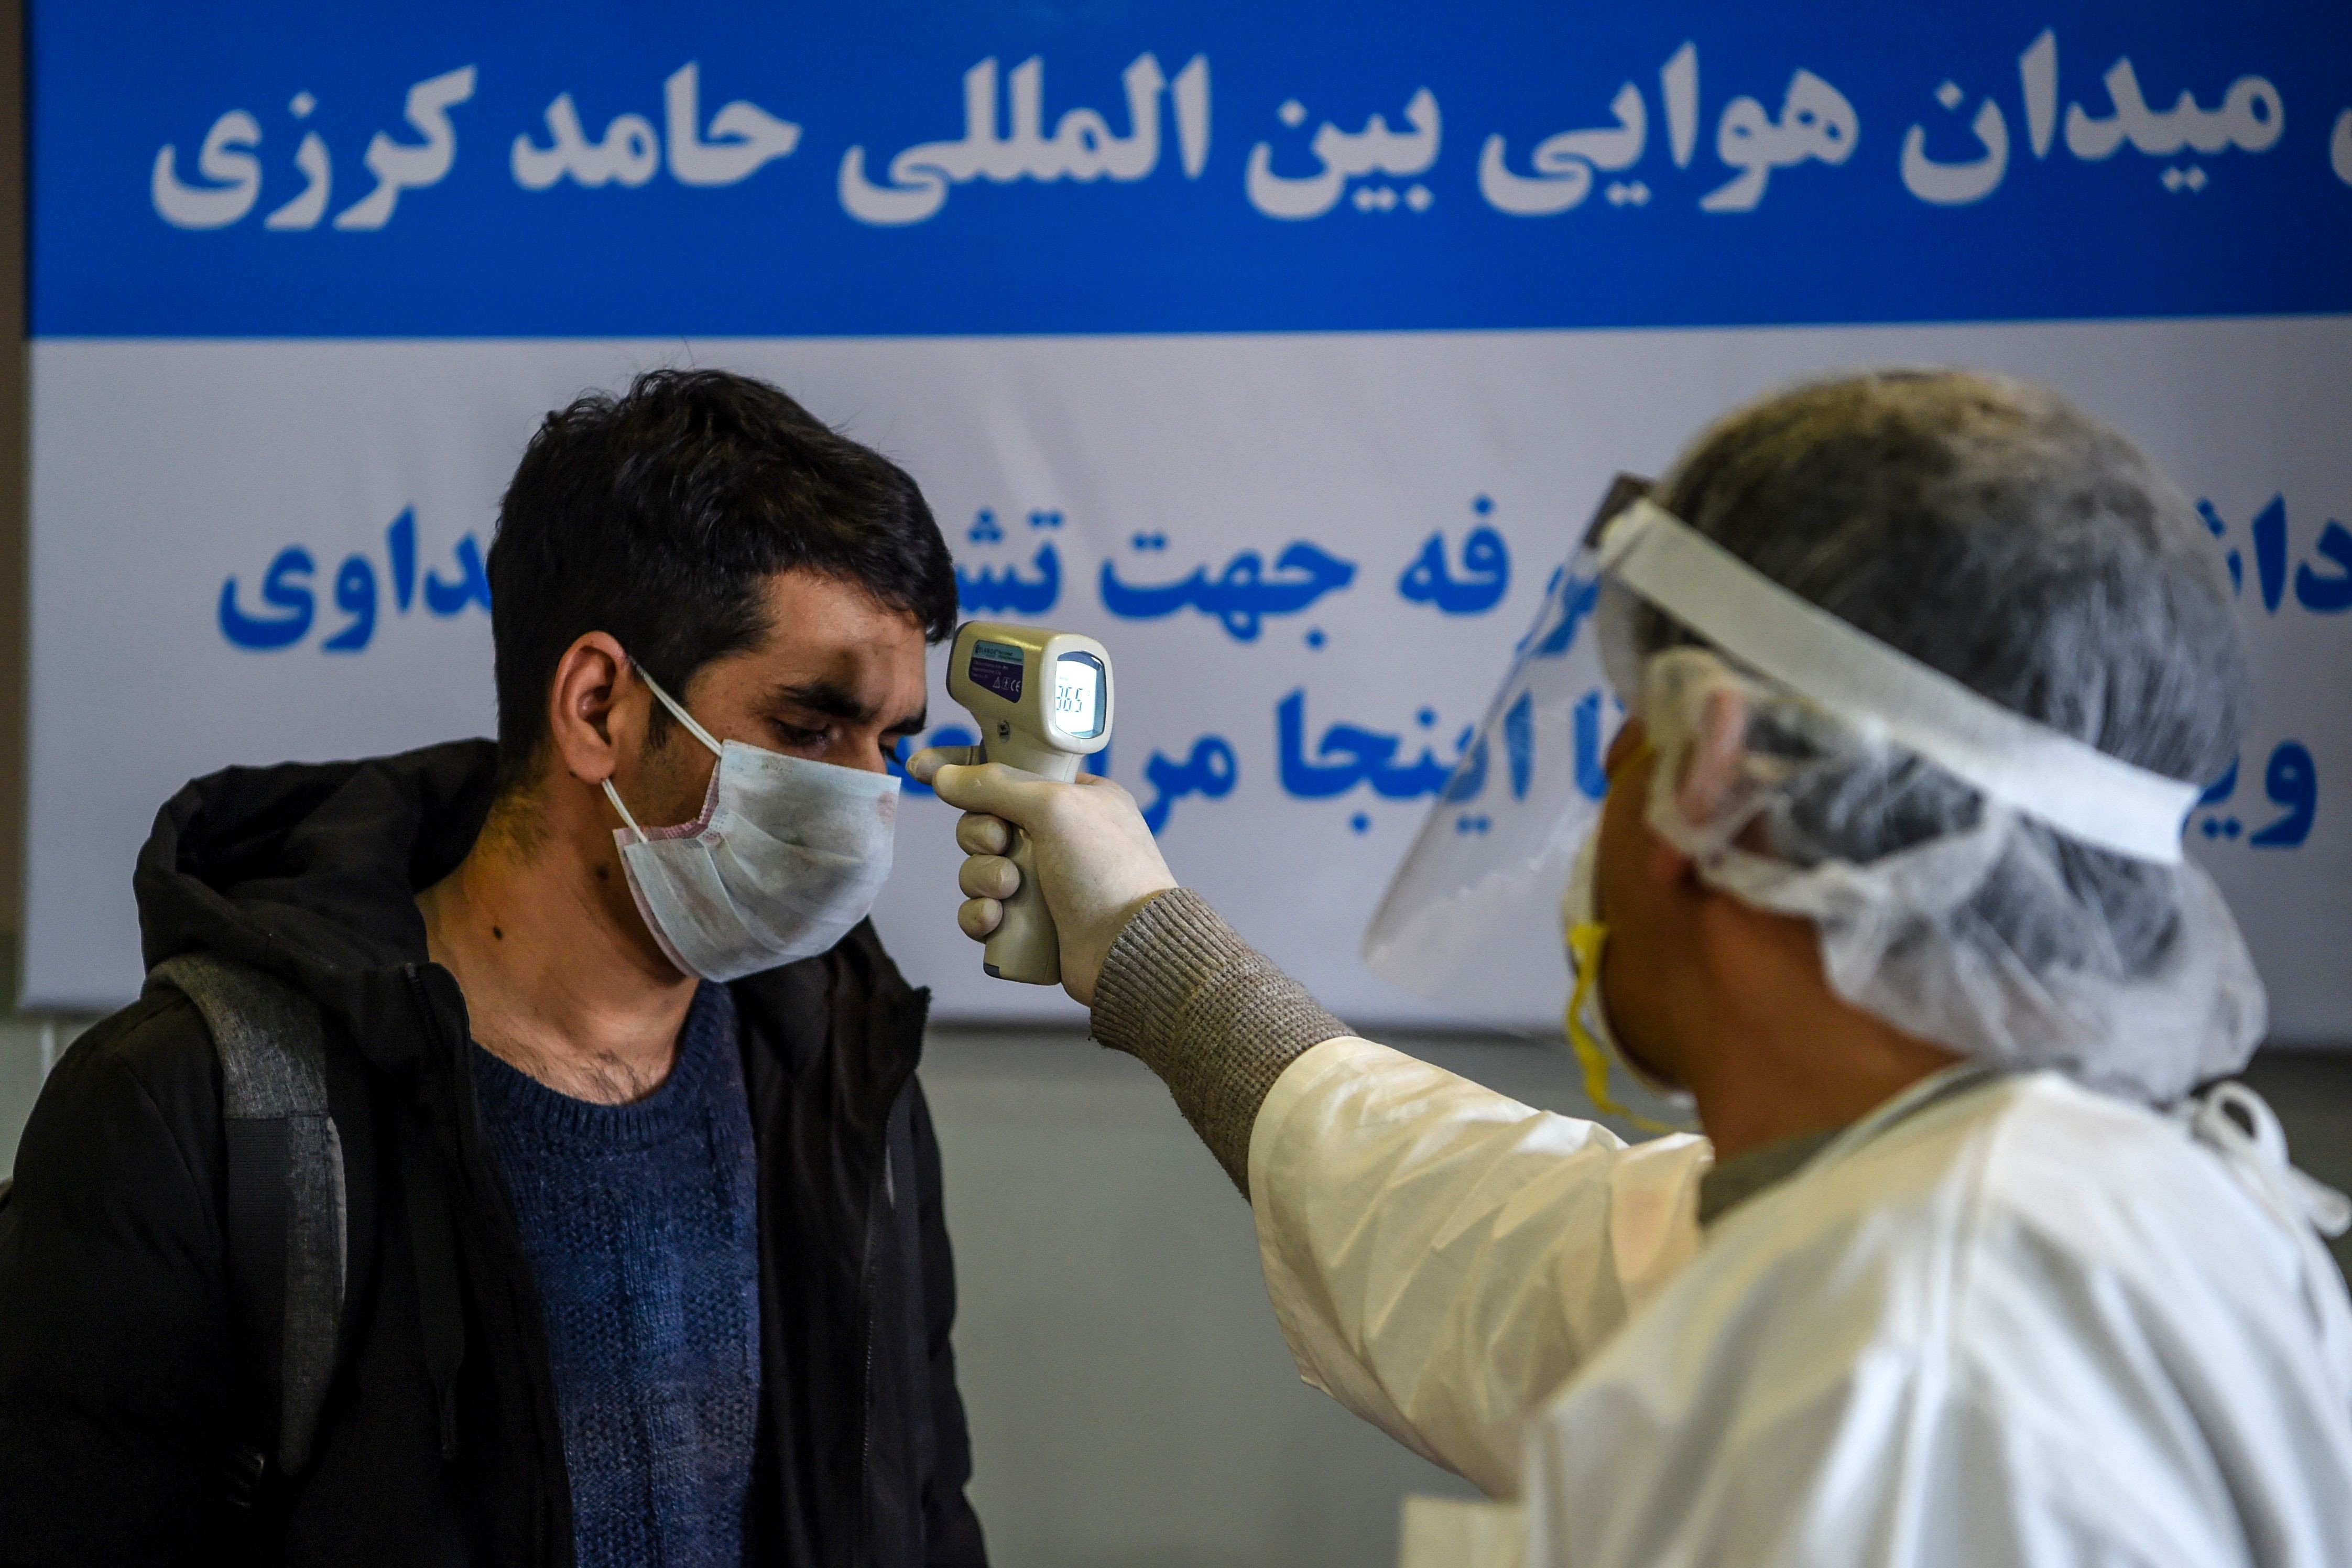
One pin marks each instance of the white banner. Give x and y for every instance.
(1309, 556)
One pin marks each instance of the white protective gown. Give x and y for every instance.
(2021, 1323)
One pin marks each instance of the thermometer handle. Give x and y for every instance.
(1025, 947)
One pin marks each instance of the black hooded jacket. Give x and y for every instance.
(121, 1399)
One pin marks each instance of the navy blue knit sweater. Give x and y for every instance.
(640, 1223)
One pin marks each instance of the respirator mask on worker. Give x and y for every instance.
(786, 857)
(1590, 1032)
(1957, 923)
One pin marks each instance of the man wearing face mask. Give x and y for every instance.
(1975, 1263)
(631, 1209)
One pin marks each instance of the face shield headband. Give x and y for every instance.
(1470, 918)
(2066, 784)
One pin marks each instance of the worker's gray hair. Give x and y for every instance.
(1996, 532)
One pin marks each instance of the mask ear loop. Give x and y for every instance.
(615, 796)
(1585, 941)
(685, 718)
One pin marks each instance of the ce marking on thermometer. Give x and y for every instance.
(1043, 701)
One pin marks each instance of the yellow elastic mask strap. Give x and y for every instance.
(1585, 940)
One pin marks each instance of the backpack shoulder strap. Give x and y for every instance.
(289, 1224)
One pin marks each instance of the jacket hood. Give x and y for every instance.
(309, 871)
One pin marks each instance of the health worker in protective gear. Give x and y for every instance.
(1922, 673)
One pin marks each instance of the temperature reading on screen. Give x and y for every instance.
(1078, 696)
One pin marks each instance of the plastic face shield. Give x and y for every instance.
(1471, 919)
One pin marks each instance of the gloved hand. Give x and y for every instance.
(1096, 862)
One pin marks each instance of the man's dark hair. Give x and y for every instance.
(658, 515)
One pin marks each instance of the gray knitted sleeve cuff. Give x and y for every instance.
(1210, 1015)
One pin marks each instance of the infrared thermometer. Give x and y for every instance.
(1043, 701)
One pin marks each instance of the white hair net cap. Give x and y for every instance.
(1925, 937)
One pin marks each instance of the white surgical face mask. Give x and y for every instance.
(1590, 1033)
(786, 857)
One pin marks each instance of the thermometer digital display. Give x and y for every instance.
(1078, 682)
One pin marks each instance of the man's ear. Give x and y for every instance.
(596, 709)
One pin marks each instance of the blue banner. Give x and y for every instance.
(902, 167)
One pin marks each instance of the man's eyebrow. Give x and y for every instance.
(821, 696)
(836, 702)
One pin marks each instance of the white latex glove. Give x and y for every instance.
(1096, 862)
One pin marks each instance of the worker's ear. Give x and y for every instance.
(1710, 764)
(1707, 768)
